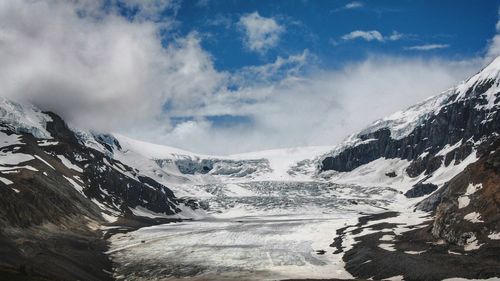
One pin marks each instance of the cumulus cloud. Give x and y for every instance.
(100, 70)
(261, 33)
(371, 35)
(427, 47)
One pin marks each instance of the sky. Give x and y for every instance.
(222, 77)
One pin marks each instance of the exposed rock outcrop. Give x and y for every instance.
(467, 208)
(55, 192)
(440, 131)
(421, 189)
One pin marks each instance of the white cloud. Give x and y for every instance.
(365, 35)
(354, 5)
(261, 33)
(427, 47)
(371, 35)
(395, 36)
(277, 70)
(103, 71)
(351, 6)
(98, 71)
(318, 109)
(493, 48)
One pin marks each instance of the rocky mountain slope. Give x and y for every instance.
(467, 208)
(442, 131)
(55, 193)
(448, 147)
(63, 189)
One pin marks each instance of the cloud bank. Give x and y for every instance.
(98, 70)
(321, 109)
(101, 70)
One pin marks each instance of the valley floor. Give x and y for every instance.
(249, 248)
(262, 236)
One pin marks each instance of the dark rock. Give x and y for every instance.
(391, 174)
(421, 189)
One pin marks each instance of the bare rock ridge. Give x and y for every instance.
(462, 118)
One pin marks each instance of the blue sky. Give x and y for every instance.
(464, 26)
(229, 76)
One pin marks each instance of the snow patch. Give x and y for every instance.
(47, 143)
(448, 148)
(494, 236)
(472, 244)
(387, 237)
(68, 164)
(471, 189)
(77, 186)
(6, 140)
(6, 181)
(45, 162)
(414, 252)
(10, 158)
(463, 202)
(387, 246)
(143, 212)
(473, 217)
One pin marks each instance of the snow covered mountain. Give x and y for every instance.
(445, 146)
(427, 143)
(64, 186)
(56, 193)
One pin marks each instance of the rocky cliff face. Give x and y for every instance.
(55, 193)
(442, 130)
(467, 208)
(64, 170)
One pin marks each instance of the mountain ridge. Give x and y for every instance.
(78, 186)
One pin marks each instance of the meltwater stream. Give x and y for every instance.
(277, 230)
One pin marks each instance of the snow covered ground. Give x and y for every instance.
(258, 248)
(278, 230)
(255, 227)
(267, 215)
